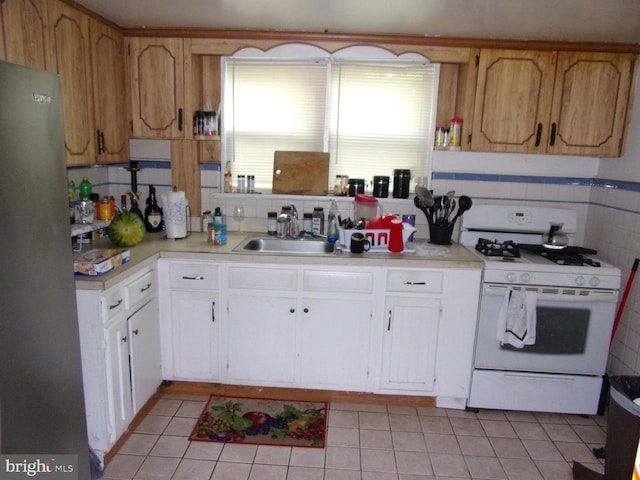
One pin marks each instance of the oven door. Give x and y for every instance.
(573, 330)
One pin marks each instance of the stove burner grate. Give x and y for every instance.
(562, 258)
(495, 248)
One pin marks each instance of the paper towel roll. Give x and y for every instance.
(174, 209)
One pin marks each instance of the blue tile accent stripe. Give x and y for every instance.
(586, 182)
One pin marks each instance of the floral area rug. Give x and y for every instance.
(262, 422)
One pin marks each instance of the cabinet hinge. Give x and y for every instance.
(131, 125)
(129, 49)
(632, 66)
(477, 60)
(469, 139)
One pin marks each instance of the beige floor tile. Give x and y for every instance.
(529, 430)
(466, 426)
(374, 421)
(343, 418)
(191, 408)
(590, 433)
(331, 474)
(486, 468)
(402, 410)
(551, 470)
(123, 467)
(231, 471)
(442, 443)
(560, 432)
(520, 469)
(491, 415)
(448, 465)
(435, 424)
(580, 420)
(477, 446)
(514, 416)
(153, 424)
(432, 411)
(181, 426)
(139, 444)
(497, 428)
(204, 450)
(379, 476)
(270, 455)
(409, 441)
(376, 439)
(238, 453)
(157, 468)
(305, 473)
(508, 448)
(543, 417)
(268, 472)
(377, 460)
(416, 463)
(405, 423)
(543, 450)
(166, 406)
(170, 446)
(407, 476)
(193, 470)
(343, 437)
(308, 457)
(575, 452)
(342, 458)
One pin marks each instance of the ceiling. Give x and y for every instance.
(603, 21)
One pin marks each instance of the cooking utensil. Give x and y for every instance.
(555, 239)
(425, 195)
(464, 204)
(427, 210)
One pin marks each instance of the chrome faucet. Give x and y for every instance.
(290, 227)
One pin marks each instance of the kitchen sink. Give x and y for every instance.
(282, 245)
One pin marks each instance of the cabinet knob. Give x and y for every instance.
(144, 289)
(124, 339)
(306, 310)
(292, 310)
(115, 305)
(135, 332)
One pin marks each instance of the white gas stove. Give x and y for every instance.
(558, 361)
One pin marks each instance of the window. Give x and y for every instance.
(371, 116)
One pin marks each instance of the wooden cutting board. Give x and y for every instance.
(301, 173)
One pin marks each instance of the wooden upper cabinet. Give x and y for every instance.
(70, 48)
(109, 93)
(513, 101)
(551, 102)
(157, 88)
(24, 24)
(590, 102)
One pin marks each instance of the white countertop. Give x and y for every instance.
(195, 247)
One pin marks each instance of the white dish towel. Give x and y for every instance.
(517, 319)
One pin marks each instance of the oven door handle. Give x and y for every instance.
(565, 294)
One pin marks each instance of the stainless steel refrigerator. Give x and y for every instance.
(41, 394)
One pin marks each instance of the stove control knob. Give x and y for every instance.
(580, 280)
(594, 281)
(525, 278)
(511, 277)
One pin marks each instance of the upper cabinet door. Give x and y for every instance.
(109, 93)
(71, 47)
(24, 24)
(513, 101)
(157, 87)
(590, 103)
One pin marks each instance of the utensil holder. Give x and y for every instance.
(440, 234)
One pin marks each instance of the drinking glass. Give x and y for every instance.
(238, 215)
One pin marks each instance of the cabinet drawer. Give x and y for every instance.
(414, 281)
(112, 303)
(333, 281)
(141, 289)
(263, 278)
(194, 276)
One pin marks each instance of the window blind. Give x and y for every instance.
(370, 117)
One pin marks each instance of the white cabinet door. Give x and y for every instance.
(335, 342)
(118, 384)
(144, 351)
(409, 343)
(195, 327)
(261, 340)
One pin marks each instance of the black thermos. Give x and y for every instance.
(401, 179)
(381, 187)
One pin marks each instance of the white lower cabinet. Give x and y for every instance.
(193, 327)
(410, 343)
(120, 348)
(144, 352)
(261, 339)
